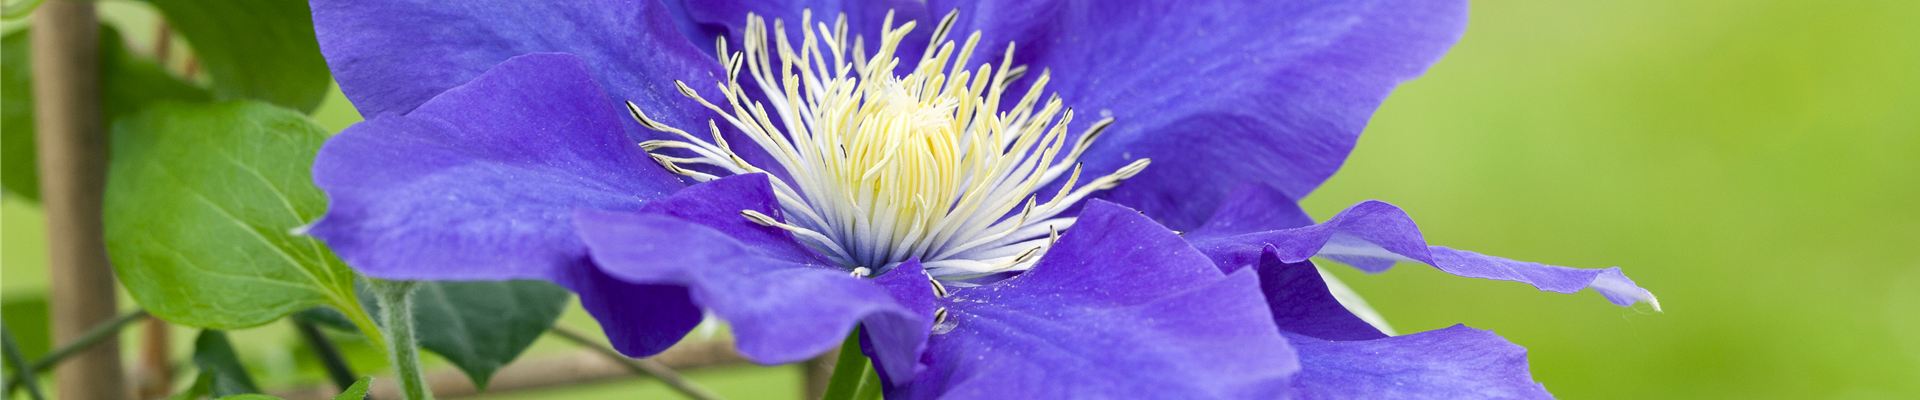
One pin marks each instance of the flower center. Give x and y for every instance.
(880, 168)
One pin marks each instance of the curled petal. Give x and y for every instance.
(1302, 304)
(1373, 235)
(784, 302)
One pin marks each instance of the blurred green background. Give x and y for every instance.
(1754, 163)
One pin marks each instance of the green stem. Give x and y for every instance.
(17, 361)
(853, 376)
(363, 321)
(87, 339)
(396, 310)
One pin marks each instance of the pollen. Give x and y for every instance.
(877, 168)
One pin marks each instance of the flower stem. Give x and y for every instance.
(396, 313)
(330, 357)
(93, 336)
(853, 376)
(17, 362)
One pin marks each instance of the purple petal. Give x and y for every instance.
(640, 320)
(391, 56)
(1119, 308)
(1251, 208)
(1302, 304)
(717, 205)
(784, 306)
(480, 183)
(1452, 363)
(909, 284)
(1373, 235)
(1219, 92)
(1296, 293)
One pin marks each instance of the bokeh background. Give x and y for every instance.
(1754, 163)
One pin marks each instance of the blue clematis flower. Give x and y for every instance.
(988, 193)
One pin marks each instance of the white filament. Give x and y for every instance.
(880, 169)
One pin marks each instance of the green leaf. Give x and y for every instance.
(482, 326)
(201, 204)
(251, 397)
(220, 366)
(854, 377)
(127, 82)
(478, 326)
(329, 317)
(356, 392)
(255, 49)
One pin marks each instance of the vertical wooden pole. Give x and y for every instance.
(819, 372)
(155, 377)
(73, 172)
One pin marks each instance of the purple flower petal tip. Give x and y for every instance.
(1373, 235)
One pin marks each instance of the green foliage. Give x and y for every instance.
(854, 376)
(482, 326)
(220, 368)
(255, 49)
(21, 9)
(19, 172)
(202, 201)
(127, 83)
(130, 83)
(477, 326)
(357, 391)
(27, 317)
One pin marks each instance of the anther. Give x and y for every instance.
(664, 163)
(939, 290)
(940, 316)
(685, 91)
(648, 123)
(1014, 74)
(861, 272)
(1027, 255)
(759, 218)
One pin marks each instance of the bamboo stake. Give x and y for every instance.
(818, 372)
(73, 172)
